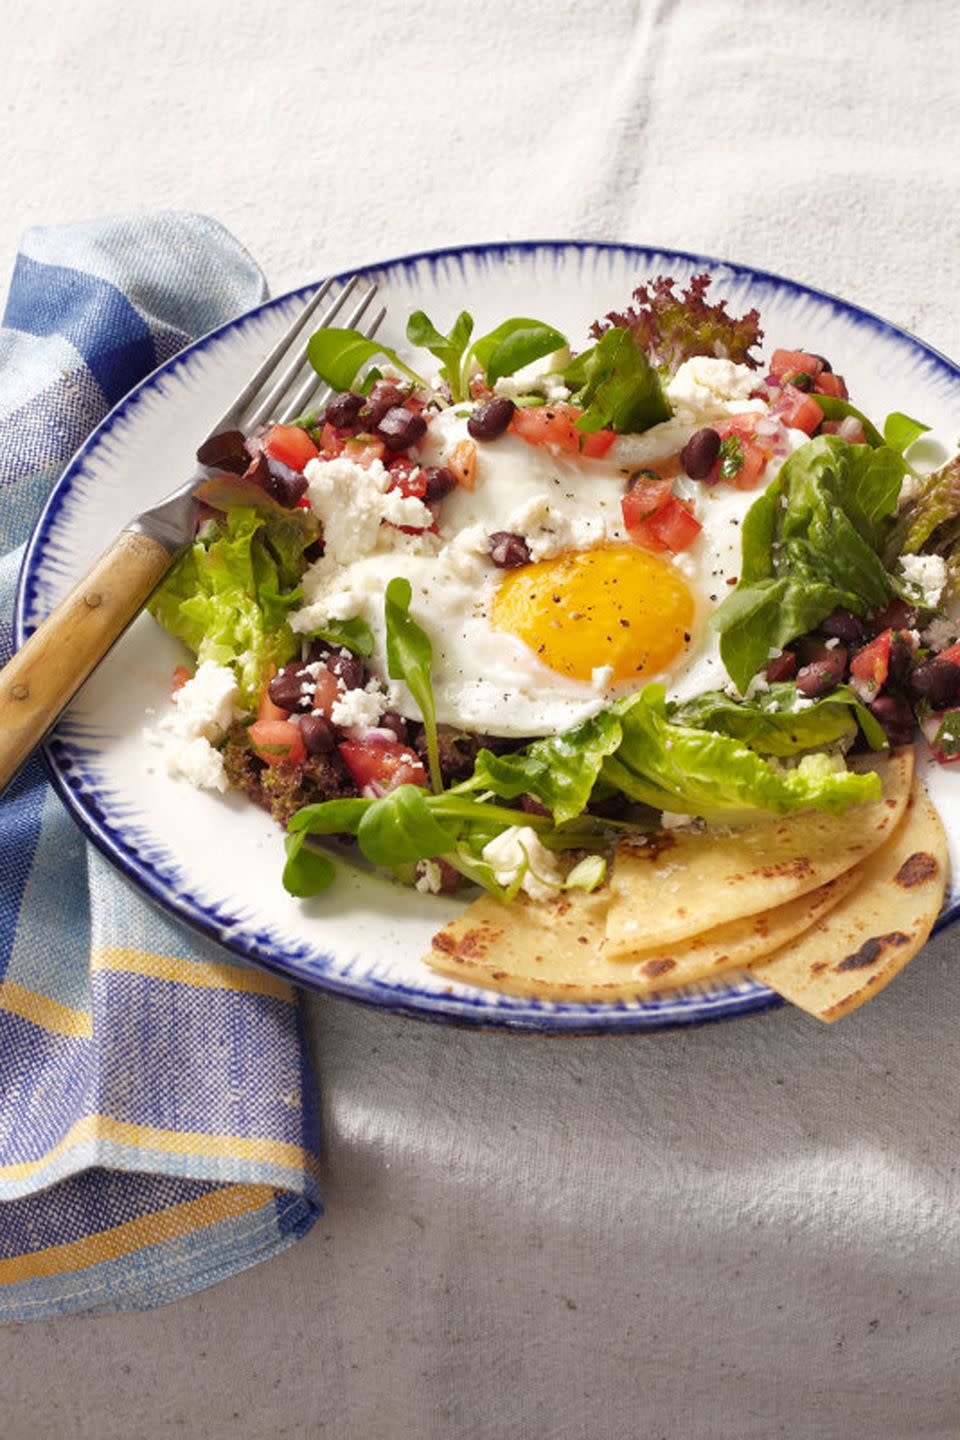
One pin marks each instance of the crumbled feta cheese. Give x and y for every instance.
(941, 632)
(202, 711)
(927, 574)
(359, 709)
(519, 849)
(549, 531)
(428, 879)
(706, 383)
(539, 378)
(351, 501)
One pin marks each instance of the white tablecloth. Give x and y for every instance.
(742, 1232)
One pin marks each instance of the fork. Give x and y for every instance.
(46, 672)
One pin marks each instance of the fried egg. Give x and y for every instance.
(535, 649)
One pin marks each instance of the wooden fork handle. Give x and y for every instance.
(47, 671)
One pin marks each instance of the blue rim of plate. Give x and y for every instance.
(486, 1010)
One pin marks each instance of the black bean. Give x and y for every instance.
(901, 659)
(800, 380)
(811, 650)
(896, 717)
(348, 668)
(343, 409)
(490, 420)
(440, 482)
(781, 667)
(318, 734)
(286, 689)
(828, 368)
(842, 625)
(699, 454)
(936, 680)
(822, 676)
(226, 451)
(532, 806)
(283, 484)
(508, 550)
(396, 723)
(895, 615)
(401, 428)
(383, 397)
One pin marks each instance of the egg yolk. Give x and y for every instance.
(617, 605)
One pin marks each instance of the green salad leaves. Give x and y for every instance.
(229, 596)
(811, 541)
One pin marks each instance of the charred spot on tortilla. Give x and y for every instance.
(653, 968)
(794, 869)
(916, 870)
(871, 950)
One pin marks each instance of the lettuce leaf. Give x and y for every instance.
(617, 385)
(671, 327)
(810, 542)
(229, 596)
(559, 771)
(698, 772)
(780, 721)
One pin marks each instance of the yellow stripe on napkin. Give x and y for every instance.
(173, 1142)
(41, 1010)
(153, 1229)
(206, 975)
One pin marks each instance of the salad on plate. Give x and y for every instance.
(629, 643)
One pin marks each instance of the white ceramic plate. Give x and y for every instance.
(215, 862)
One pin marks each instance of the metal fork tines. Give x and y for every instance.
(282, 388)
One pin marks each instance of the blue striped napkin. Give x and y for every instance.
(157, 1125)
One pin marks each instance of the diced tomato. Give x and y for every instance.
(674, 526)
(327, 691)
(379, 765)
(462, 462)
(870, 666)
(754, 453)
(407, 477)
(787, 362)
(595, 446)
(670, 526)
(952, 653)
(291, 445)
(643, 500)
(275, 741)
(363, 450)
(942, 731)
(555, 426)
(551, 425)
(829, 384)
(849, 429)
(179, 678)
(797, 409)
(266, 710)
(331, 444)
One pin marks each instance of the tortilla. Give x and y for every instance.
(680, 883)
(852, 952)
(555, 950)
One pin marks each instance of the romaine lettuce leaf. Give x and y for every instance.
(810, 543)
(780, 721)
(698, 772)
(229, 596)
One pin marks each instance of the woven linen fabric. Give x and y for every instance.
(157, 1129)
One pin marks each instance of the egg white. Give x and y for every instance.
(483, 678)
